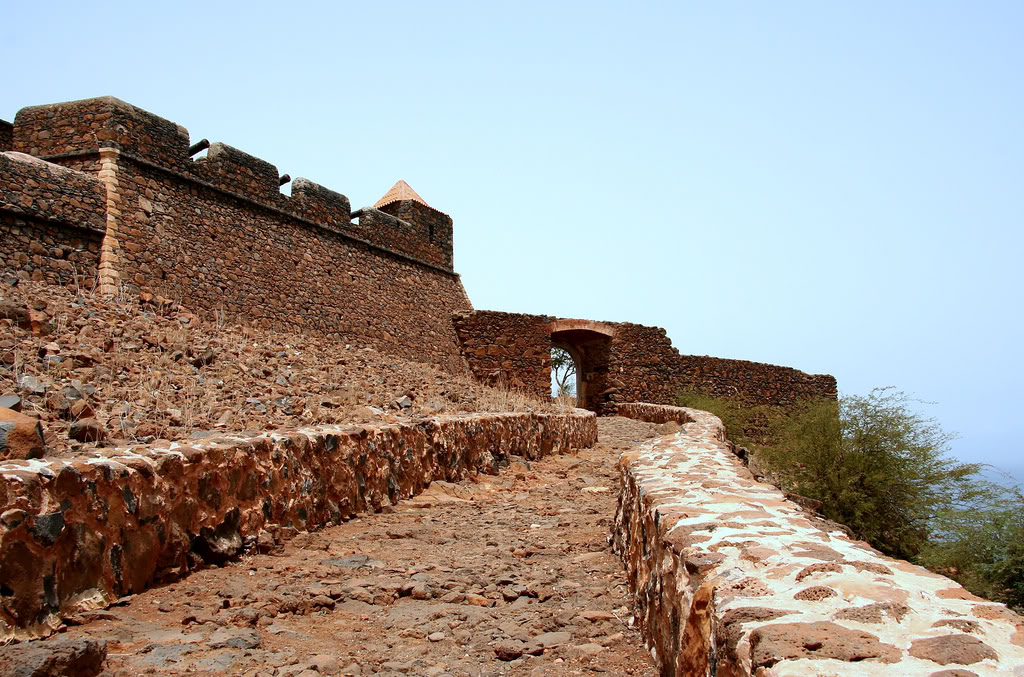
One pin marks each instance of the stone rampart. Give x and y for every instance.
(218, 234)
(754, 382)
(77, 534)
(730, 578)
(51, 220)
(657, 372)
(187, 241)
(66, 133)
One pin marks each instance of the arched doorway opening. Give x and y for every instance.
(565, 373)
(588, 344)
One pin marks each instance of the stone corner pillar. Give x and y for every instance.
(110, 278)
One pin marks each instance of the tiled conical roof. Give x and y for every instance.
(400, 191)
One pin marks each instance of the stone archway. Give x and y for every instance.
(589, 344)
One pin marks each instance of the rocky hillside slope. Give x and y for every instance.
(106, 371)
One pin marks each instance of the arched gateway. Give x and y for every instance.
(617, 362)
(589, 344)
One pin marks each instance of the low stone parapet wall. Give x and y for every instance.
(77, 534)
(653, 413)
(730, 578)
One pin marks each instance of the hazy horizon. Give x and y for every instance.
(835, 188)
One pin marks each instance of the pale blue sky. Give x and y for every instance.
(831, 186)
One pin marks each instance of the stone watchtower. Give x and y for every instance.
(431, 228)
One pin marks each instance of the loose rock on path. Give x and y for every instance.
(505, 575)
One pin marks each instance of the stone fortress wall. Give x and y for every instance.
(51, 220)
(620, 362)
(218, 234)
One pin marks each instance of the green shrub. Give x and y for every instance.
(735, 416)
(746, 425)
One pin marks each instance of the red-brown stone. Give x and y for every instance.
(960, 649)
(21, 436)
(874, 613)
(825, 567)
(770, 644)
(815, 593)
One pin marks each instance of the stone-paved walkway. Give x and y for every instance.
(506, 575)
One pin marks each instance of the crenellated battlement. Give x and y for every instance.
(321, 205)
(71, 133)
(217, 231)
(238, 172)
(89, 124)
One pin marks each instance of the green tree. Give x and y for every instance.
(748, 425)
(563, 371)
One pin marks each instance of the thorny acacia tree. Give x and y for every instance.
(982, 547)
